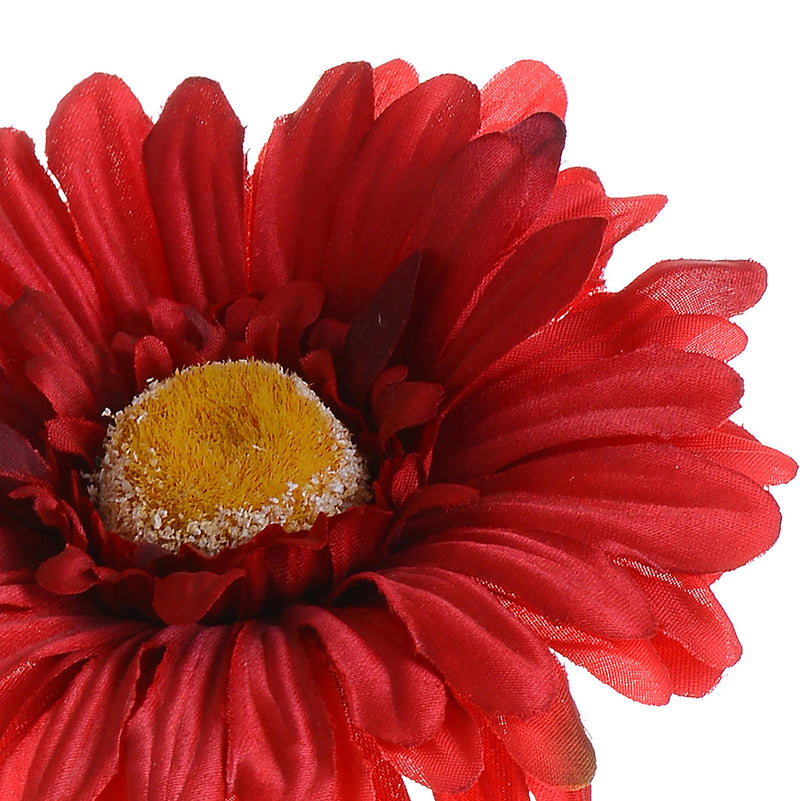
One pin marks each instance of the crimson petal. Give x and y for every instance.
(566, 580)
(280, 744)
(651, 392)
(38, 245)
(195, 174)
(448, 615)
(299, 175)
(175, 740)
(94, 148)
(408, 146)
(639, 500)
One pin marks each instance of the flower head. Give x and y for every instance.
(308, 474)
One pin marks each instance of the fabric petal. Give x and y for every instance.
(175, 740)
(639, 500)
(194, 164)
(522, 89)
(552, 747)
(650, 392)
(567, 581)
(38, 245)
(279, 741)
(300, 173)
(94, 148)
(447, 615)
(389, 693)
(408, 146)
(539, 279)
(392, 80)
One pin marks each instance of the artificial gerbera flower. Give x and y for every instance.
(309, 475)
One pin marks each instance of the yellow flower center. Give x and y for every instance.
(213, 454)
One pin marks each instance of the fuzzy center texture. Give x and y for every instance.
(215, 453)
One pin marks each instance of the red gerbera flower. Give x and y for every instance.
(380, 443)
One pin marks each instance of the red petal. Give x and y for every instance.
(88, 718)
(657, 503)
(280, 741)
(543, 792)
(38, 246)
(19, 460)
(181, 598)
(733, 447)
(501, 777)
(94, 148)
(522, 89)
(722, 288)
(450, 762)
(651, 392)
(151, 359)
(448, 615)
(551, 747)
(691, 677)
(392, 80)
(195, 173)
(565, 580)
(468, 220)
(541, 277)
(406, 149)
(300, 173)
(405, 404)
(175, 741)
(389, 693)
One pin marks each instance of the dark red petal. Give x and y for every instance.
(87, 719)
(374, 334)
(38, 245)
(280, 743)
(722, 288)
(180, 598)
(291, 309)
(448, 615)
(175, 741)
(405, 404)
(19, 460)
(521, 89)
(469, 218)
(94, 148)
(551, 747)
(542, 276)
(390, 694)
(448, 763)
(657, 503)
(651, 392)
(71, 572)
(195, 174)
(300, 173)
(392, 80)
(569, 582)
(76, 436)
(406, 148)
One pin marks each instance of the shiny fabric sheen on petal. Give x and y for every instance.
(94, 148)
(195, 174)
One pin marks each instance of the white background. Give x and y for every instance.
(696, 100)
